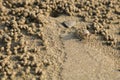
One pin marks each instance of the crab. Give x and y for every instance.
(83, 34)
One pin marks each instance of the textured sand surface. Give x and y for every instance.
(59, 39)
(86, 62)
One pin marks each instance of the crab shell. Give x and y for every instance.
(83, 34)
(86, 33)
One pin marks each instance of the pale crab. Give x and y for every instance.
(83, 34)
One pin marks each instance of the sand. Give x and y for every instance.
(86, 62)
(59, 40)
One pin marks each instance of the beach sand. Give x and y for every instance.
(59, 40)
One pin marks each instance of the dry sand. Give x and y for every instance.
(88, 62)
(59, 40)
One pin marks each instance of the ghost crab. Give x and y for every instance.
(83, 34)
